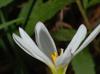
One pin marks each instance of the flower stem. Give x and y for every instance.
(83, 14)
(59, 70)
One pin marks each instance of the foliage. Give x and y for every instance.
(88, 3)
(4, 2)
(83, 63)
(63, 34)
(43, 12)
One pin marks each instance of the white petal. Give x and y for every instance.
(77, 39)
(28, 40)
(30, 46)
(64, 60)
(21, 43)
(89, 39)
(73, 45)
(25, 36)
(44, 39)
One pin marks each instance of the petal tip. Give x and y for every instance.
(83, 26)
(39, 23)
(13, 35)
(39, 26)
(20, 29)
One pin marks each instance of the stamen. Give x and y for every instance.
(61, 51)
(54, 56)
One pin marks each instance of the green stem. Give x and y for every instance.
(2, 17)
(9, 23)
(83, 14)
(59, 70)
(5, 24)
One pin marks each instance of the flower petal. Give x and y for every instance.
(21, 43)
(73, 45)
(89, 39)
(77, 39)
(63, 60)
(44, 40)
(30, 47)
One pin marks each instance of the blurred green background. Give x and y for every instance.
(62, 18)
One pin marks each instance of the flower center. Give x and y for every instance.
(54, 55)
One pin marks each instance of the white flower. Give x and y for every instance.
(46, 50)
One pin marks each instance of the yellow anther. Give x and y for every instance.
(54, 56)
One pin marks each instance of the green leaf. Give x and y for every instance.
(89, 3)
(25, 10)
(44, 11)
(63, 34)
(94, 2)
(4, 2)
(83, 63)
(9, 23)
